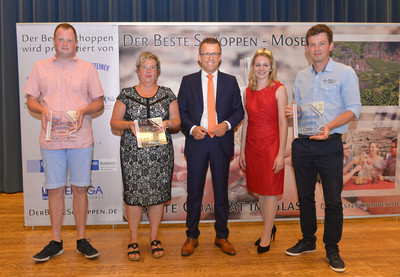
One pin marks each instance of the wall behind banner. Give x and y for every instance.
(26, 11)
(177, 47)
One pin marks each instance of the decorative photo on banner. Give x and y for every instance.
(377, 65)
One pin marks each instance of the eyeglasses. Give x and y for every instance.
(264, 51)
(209, 55)
(145, 67)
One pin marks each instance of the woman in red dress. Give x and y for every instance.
(264, 136)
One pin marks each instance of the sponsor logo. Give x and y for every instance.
(37, 166)
(92, 192)
(95, 165)
(109, 99)
(101, 66)
(33, 166)
(108, 165)
(109, 102)
(45, 194)
(104, 165)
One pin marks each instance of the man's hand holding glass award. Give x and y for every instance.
(308, 121)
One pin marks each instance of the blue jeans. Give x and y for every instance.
(310, 158)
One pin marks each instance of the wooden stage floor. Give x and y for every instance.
(369, 247)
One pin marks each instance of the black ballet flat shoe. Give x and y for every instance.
(257, 243)
(261, 249)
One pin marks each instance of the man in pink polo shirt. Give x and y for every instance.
(65, 85)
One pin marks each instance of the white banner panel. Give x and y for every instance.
(357, 45)
(371, 49)
(98, 44)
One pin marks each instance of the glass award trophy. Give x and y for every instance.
(150, 132)
(308, 118)
(62, 126)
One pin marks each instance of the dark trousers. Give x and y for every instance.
(207, 152)
(325, 158)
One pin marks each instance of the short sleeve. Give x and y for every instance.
(123, 96)
(171, 95)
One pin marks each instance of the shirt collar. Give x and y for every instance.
(75, 58)
(204, 74)
(328, 67)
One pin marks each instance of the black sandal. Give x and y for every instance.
(134, 252)
(158, 249)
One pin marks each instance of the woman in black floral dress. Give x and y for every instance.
(146, 171)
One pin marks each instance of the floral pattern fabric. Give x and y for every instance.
(147, 171)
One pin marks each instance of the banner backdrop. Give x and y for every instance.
(98, 44)
(371, 49)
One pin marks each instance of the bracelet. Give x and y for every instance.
(169, 123)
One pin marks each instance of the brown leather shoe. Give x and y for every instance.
(189, 246)
(225, 246)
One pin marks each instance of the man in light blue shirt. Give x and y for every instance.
(336, 85)
(334, 88)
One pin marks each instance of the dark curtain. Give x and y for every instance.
(13, 11)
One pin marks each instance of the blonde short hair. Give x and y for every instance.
(145, 55)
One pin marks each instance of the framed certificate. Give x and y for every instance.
(150, 132)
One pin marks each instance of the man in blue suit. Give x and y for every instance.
(206, 144)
